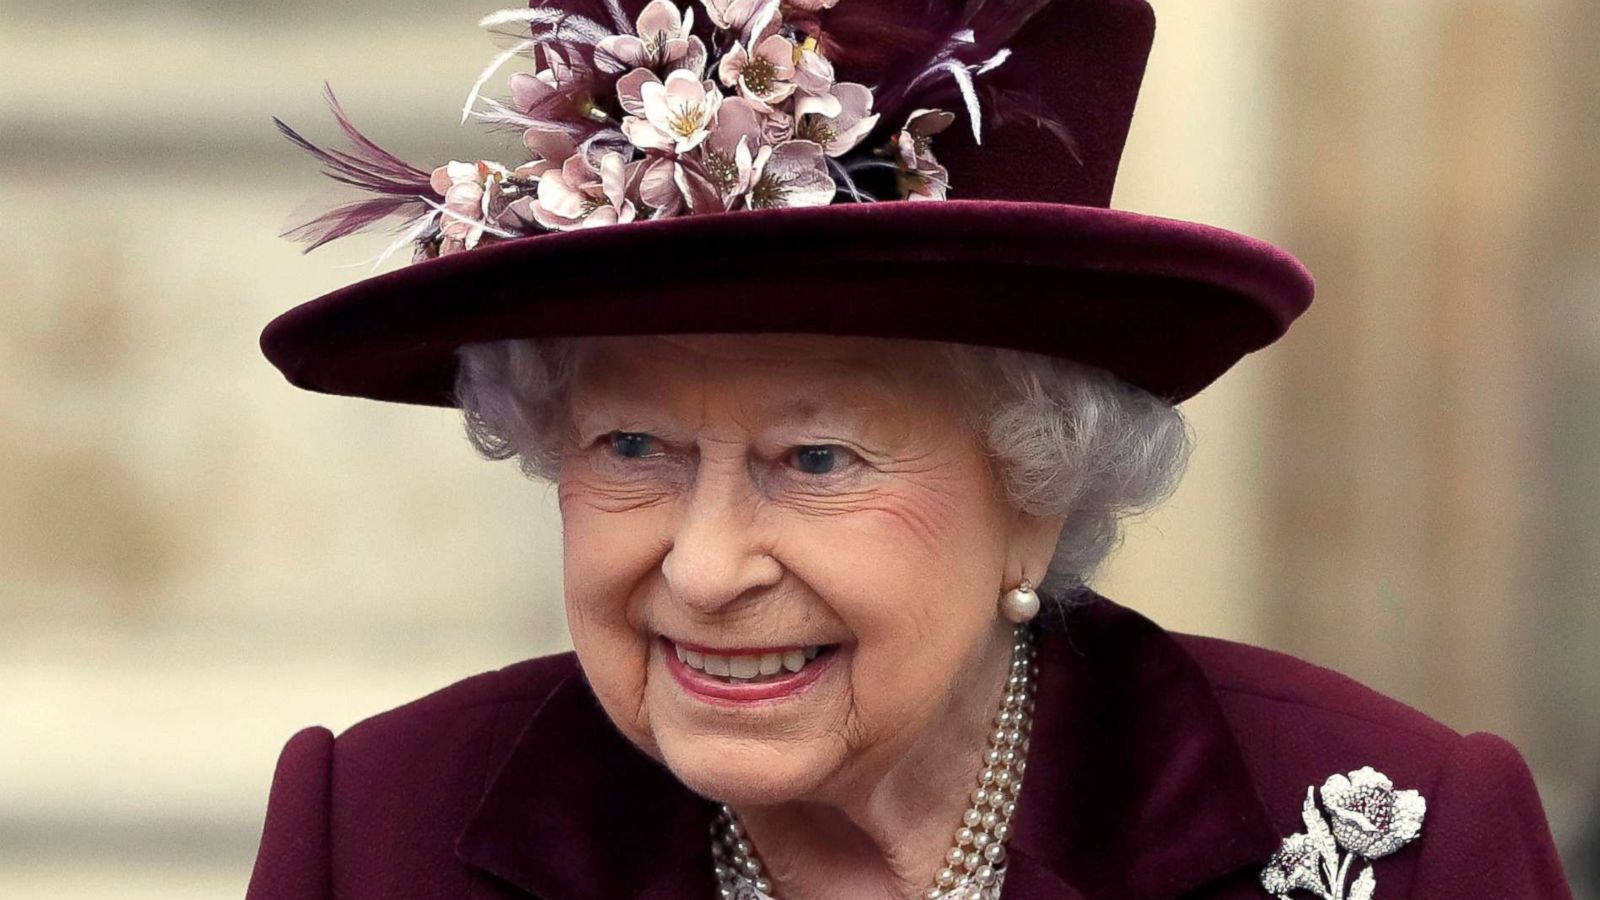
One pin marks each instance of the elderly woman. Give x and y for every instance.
(833, 481)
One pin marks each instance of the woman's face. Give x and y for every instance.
(738, 504)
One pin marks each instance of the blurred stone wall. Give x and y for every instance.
(200, 559)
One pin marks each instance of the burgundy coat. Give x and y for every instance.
(1162, 765)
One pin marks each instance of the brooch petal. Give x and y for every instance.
(1369, 819)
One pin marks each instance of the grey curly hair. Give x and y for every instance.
(1063, 439)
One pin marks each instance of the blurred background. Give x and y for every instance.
(197, 560)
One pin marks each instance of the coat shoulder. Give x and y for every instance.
(1297, 723)
(1244, 675)
(376, 811)
(441, 750)
(464, 728)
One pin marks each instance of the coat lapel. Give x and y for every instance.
(1135, 788)
(578, 813)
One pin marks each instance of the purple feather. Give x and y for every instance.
(342, 221)
(401, 188)
(1023, 107)
(908, 65)
(366, 165)
(610, 12)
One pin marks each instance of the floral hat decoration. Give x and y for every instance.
(932, 169)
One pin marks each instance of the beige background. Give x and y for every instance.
(197, 559)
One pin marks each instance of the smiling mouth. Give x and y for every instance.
(754, 667)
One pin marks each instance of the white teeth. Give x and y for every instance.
(746, 667)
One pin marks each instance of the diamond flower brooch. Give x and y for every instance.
(1369, 819)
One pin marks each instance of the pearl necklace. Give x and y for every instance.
(975, 865)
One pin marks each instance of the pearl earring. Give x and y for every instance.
(1021, 603)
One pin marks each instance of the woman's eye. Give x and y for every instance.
(820, 459)
(631, 444)
(811, 459)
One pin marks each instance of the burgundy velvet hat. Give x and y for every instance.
(789, 166)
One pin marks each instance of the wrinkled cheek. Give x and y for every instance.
(930, 517)
(596, 593)
(608, 560)
(904, 684)
(614, 654)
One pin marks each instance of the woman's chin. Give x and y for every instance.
(745, 773)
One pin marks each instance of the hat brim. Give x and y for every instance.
(1164, 304)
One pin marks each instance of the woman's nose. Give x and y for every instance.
(717, 555)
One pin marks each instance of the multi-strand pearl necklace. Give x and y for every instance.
(975, 866)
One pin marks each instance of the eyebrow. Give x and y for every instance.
(801, 407)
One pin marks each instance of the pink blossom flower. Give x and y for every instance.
(716, 175)
(921, 176)
(560, 96)
(472, 199)
(528, 91)
(776, 127)
(579, 196)
(661, 40)
(674, 186)
(764, 75)
(791, 174)
(657, 186)
(556, 89)
(630, 88)
(677, 113)
(839, 131)
(746, 18)
(813, 74)
(916, 139)
(550, 146)
(728, 155)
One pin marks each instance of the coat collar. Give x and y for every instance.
(1135, 788)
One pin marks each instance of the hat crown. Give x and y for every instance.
(1054, 115)
(1084, 63)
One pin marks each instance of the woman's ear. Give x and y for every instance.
(1033, 546)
